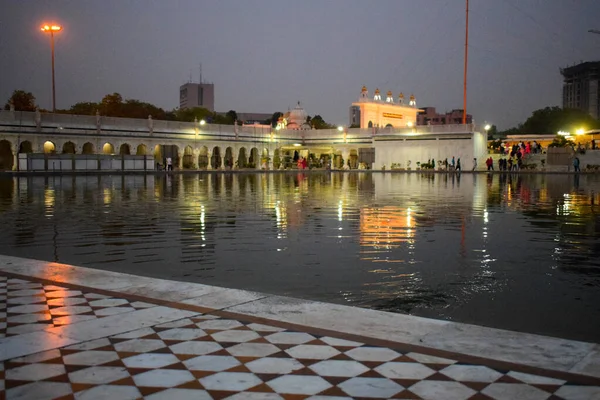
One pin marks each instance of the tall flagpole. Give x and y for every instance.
(464, 118)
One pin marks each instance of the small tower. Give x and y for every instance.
(364, 93)
(390, 97)
(377, 96)
(401, 98)
(412, 102)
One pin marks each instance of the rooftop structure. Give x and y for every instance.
(379, 113)
(580, 87)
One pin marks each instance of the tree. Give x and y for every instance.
(319, 123)
(492, 132)
(22, 101)
(554, 119)
(189, 114)
(84, 108)
(275, 118)
(231, 116)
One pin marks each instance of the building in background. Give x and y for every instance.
(197, 95)
(379, 113)
(580, 87)
(428, 116)
(354, 116)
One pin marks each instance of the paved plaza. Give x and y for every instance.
(70, 332)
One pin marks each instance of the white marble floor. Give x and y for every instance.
(65, 343)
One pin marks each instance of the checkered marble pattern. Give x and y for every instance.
(31, 306)
(208, 357)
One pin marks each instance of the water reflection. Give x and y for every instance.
(507, 250)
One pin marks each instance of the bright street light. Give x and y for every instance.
(487, 127)
(409, 124)
(52, 29)
(579, 131)
(340, 128)
(202, 122)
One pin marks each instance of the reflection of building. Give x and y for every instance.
(385, 227)
(197, 95)
(428, 116)
(580, 87)
(373, 113)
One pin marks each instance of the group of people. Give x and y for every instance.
(522, 147)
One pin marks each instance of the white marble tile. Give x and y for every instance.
(66, 301)
(120, 323)
(72, 319)
(28, 308)
(26, 300)
(199, 348)
(110, 302)
(30, 343)
(590, 364)
(28, 318)
(223, 298)
(176, 324)
(234, 381)
(167, 290)
(139, 345)
(35, 372)
(259, 396)
(290, 338)
(471, 373)
(312, 352)
(21, 286)
(511, 391)
(180, 394)
(112, 392)
(91, 345)
(252, 349)
(39, 391)
(90, 357)
(211, 363)
(27, 328)
(339, 368)
(404, 370)
(26, 292)
(181, 334)
(63, 293)
(163, 378)
(269, 365)
(371, 323)
(427, 359)
(98, 375)
(137, 333)
(264, 328)
(535, 379)
(340, 342)
(141, 304)
(516, 347)
(372, 354)
(70, 310)
(38, 357)
(91, 296)
(235, 336)
(574, 392)
(328, 398)
(49, 288)
(219, 324)
(434, 390)
(103, 312)
(370, 387)
(299, 384)
(150, 360)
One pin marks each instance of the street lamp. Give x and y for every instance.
(202, 122)
(51, 29)
(340, 128)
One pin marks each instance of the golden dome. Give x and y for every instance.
(377, 91)
(412, 97)
(364, 89)
(389, 93)
(401, 95)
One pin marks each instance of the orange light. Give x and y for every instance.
(53, 28)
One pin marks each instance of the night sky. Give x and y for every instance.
(265, 55)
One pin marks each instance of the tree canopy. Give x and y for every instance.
(21, 100)
(550, 120)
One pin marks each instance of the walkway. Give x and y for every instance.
(70, 332)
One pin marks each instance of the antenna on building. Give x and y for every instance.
(200, 73)
(190, 81)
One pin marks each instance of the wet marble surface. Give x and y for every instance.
(157, 351)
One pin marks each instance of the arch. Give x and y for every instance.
(188, 158)
(253, 160)
(158, 154)
(25, 147)
(265, 159)
(88, 148)
(276, 159)
(108, 148)
(215, 159)
(370, 124)
(68, 148)
(353, 159)
(49, 147)
(125, 149)
(242, 160)
(6, 155)
(389, 126)
(203, 158)
(141, 150)
(229, 157)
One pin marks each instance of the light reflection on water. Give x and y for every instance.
(516, 252)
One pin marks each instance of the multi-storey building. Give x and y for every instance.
(580, 87)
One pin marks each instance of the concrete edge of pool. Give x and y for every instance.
(504, 349)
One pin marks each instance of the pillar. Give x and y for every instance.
(15, 152)
(209, 155)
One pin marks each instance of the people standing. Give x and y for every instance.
(453, 163)
(169, 164)
(576, 164)
(458, 168)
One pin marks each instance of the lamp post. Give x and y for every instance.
(51, 29)
(487, 128)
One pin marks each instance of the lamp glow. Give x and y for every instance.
(202, 122)
(340, 128)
